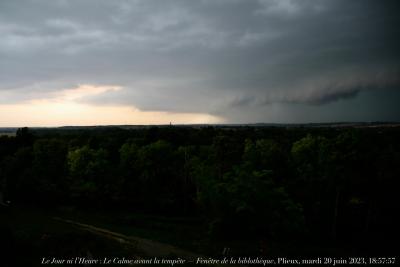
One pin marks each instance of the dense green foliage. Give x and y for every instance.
(253, 183)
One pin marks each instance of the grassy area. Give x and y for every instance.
(184, 232)
(192, 234)
(188, 233)
(29, 235)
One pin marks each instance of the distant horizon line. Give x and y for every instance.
(213, 124)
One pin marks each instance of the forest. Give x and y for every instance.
(257, 190)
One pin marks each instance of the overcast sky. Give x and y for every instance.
(201, 61)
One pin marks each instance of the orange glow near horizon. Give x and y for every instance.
(61, 109)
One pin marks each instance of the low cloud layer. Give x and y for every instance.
(241, 60)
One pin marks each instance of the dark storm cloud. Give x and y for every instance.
(209, 56)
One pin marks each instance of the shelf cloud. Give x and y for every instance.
(238, 60)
